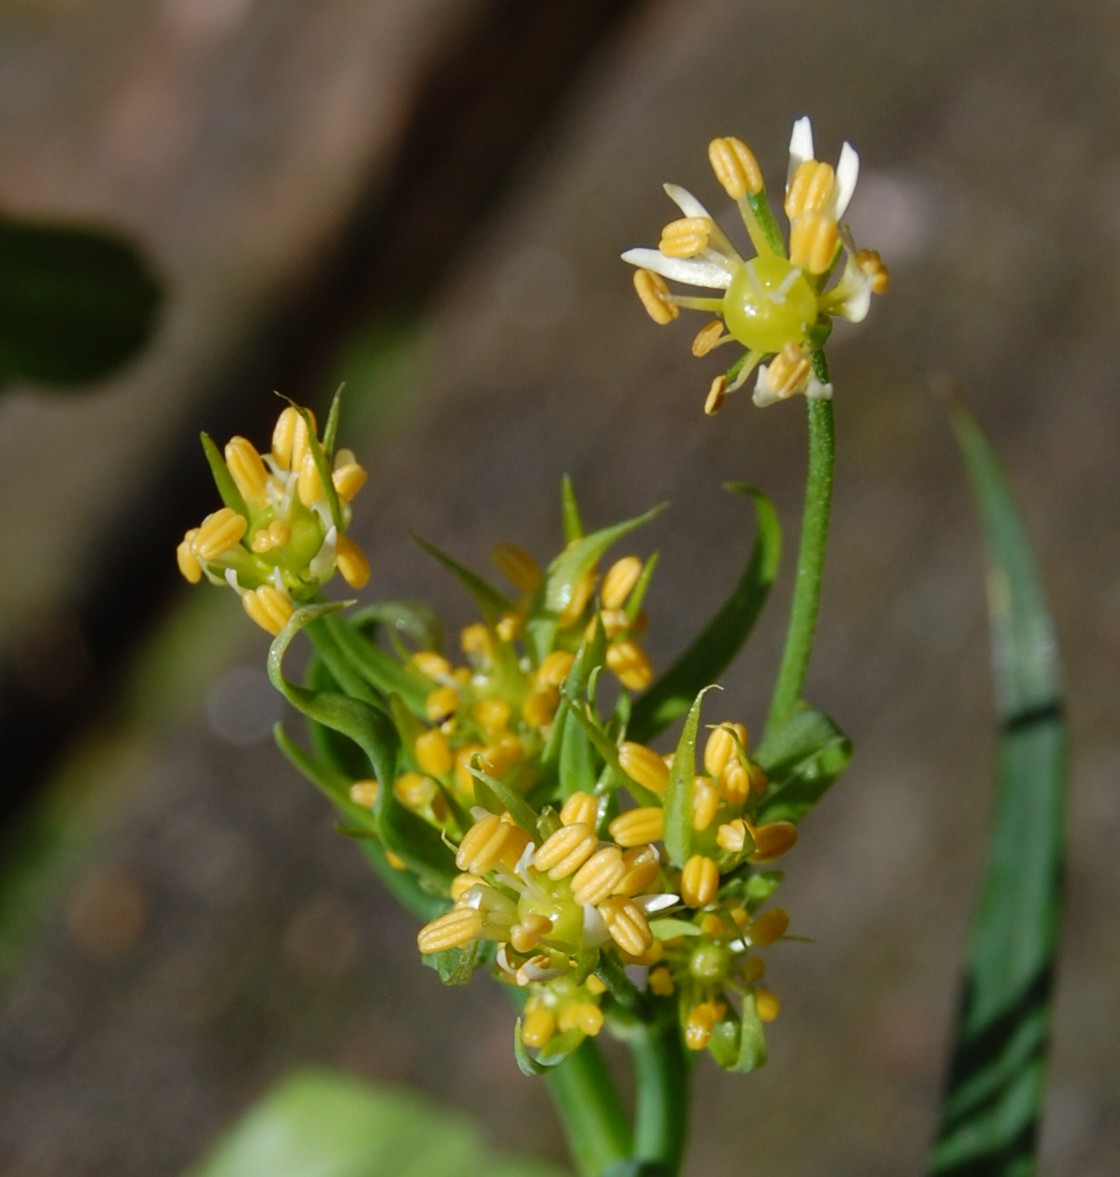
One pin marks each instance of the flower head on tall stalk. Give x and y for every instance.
(778, 305)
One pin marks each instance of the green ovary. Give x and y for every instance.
(769, 304)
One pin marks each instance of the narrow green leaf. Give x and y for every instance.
(513, 803)
(678, 793)
(491, 602)
(321, 1124)
(573, 525)
(994, 1095)
(723, 637)
(801, 760)
(223, 480)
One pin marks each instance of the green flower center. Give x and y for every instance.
(769, 304)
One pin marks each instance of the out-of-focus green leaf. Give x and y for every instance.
(320, 1124)
(678, 792)
(993, 1100)
(723, 637)
(801, 759)
(75, 303)
(223, 479)
(490, 601)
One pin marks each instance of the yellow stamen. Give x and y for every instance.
(538, 1026)
(753, 969)
(414, 791)
(433, 753)
(732, 837)
(613, 621)
(717, 394)
(453, 929)
(655, 297)
(813, 241)
(553, 671)
(220, 531)
(643, 866)
(627, 924)
(644, 766)
(810, 189)
(364, 793)
(597, 878)
(525, 974)
(275, 535)
(432, 664)
(661, 981)
(566, 851)
(348, 479)
(685, 237)
(595, 986)
(539, 707)
(790, 370)
(620, 581)
(496, 758)
(487, 843)
(461, 886)
(871, 264)
(767, 1004)
(351, 561)
(269, 607)
(637, 827)
(188, 562)
(699, 881)
(309, 487)
(735, 783)
(464, 779)
(475, 642)
(289, 438)
(735, 167)
(517, 566)
(441, 704)
(580, 809)
(247, 468)
(705, 803)
(577, 602)
(700, 1023)
(722, 744)
(526, 935)
(585, 1016)
(491, 715)
(768, 927)
(630, 664)
(707, 337)
(772, 840)
(509, 626)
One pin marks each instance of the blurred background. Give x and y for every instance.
(427, 199)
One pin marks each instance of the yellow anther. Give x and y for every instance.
(351, 561)
(613, 621)
(643, 866)
(553, 671)
(461, 886)
(620, 581)
(643, 765)
(630, 664)
(723, 744)
(699, 881)
(637, 827)
(414, 790)
(705, 803)
(871, 264)
(271, 608)
(310, 483)
(661, 981)
(767, 1004)
(717, 394)
(789, 370)
(580, 809)
(566, 850)
(487, 843)
(289, 438)
(364, 793)
(441, 704)
(655, 297)
(527, 934)
(594, 986)
(732, 837)
(627, 924)
(810, 189)
(735, 782)
(685, 237)
(269, 538)
(735, 167)
(509, 626)
(707, 338)
(712, 925)
(539, 706)
(768, 927)
(526, 975)
(475, 642)
(517, 566)
(538, 1026)
(395, 860)
(432, 664)
(464, 778)
(491, 715)
(433, 753)
(772, 840)
(598, 876)
(580, 594)
(496, 758)
(219, 532)
(188, 562)
(700, 1023)
(813, 241)
(753, 968)
(246, 468)
(584, 1016)
(453, 929)
(348, 479)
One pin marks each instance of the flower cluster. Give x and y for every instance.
(282, 530)
(780, 303)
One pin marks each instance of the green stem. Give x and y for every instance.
(810, 558)
(662, 1075)
(587, 1103)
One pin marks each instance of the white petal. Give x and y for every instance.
(690, 270)
(800, 146)
(654, 903)
(818, 391)
(685, 201)
(854, 308)
(847, 173)
(322, 564)
(763, 394)
(594, 927)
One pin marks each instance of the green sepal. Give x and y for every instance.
(722, 638)
(801, 759)
(752, 1037)
(569, 508)
(552, 1054)
(669, 928)
(492, 603)
(638, 592)
(621, 989)
(569, 742)
(496, 796)
(456, 966)
(223, 479)
(760, 886)
(321, 457)
(330, 430)
(759, 205)
(677, 802)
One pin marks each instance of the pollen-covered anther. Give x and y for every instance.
(789, 370)
(441, 704)
(685, 237)
(630, 664)
(772, 840)
(486, 843)
(189, 564)
(554, 670)
(348, 476)
(364, 793)
(871, 265)
(699, 881)
(813, 241)
(620, 581)
(732, 836)
(735, 167)
(580, 809)
(219, 532)
(642, 868)
(769, 926)
(637, 827)
(810, 189)
(269, 538)
(433, 753)
(517, 566)
(289, 438)
(461, 886)
(717, 394)
(453, 929)
(247, 468)
(271, 608)
(707, 338)
(566, 851)
(527, 934)
(538, 1026)
(627, 924)
(705, 803)
(309, 485)
(722, 744)
(735, 783)
(584, 1016)
(700, 1023)
(655, 297)
(351, 561)
(598, 876)
(644, 766)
